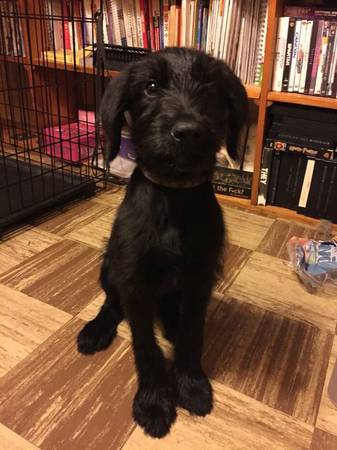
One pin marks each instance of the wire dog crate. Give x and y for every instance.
(49, 91)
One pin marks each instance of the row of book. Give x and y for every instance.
(306, 52)
(299, 164)
(233, 30)
(11, 37)
(70, 24)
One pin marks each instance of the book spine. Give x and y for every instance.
(182, 42)
(115, 23)
(319, 153)
(289, 48)
(300, 55)
(144, 20)
(310, 12)
(328, 59)
(47, 11)
(317, 54)
(232, 191)
(151, 28)
(311, 56)
(121, 23)
(297, 37)
(109, 25)
(280, 53)
(267, 158)
(275, 170)
(209, 27)
(323, 188)
(156, 14)
(178, 26)
(332, 66)
(298, 181)
(306, 50)
(133, 23)
(199, 26)
(139, 24)
(161, 24)
(304, 140)
(66, 44)
(322, 59)
(127, 24)
(334, 84)
(330, 192)
(165, 22)
(204, 28)
(308, 177)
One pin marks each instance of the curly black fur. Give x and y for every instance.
(166, 243)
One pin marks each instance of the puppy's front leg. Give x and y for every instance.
(193, 390)
(154, 405)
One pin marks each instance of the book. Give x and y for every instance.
(300, 111)
(322, 58)
(311, 55)
(265, 172)
(332, 71)
(288, 55)
(233, 182)
(279, 62)
(328, 59)
(315, 152)
(285, 195)
(310, 12)
(300, 55)
(306, 50)
(317, 54)
(261, 43)
(275, 168)
(140, 42)
(295, 48)
(305, 189)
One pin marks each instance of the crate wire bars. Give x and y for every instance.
(48, 151)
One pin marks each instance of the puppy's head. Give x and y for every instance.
(183, 104)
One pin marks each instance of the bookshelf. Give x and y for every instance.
(263, 96)
(301, 99)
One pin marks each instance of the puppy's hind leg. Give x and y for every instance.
(98, 334)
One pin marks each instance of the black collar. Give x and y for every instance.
(173, 183)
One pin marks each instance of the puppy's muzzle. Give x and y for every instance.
(186, 131)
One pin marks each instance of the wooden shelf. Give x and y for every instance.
(88, 69)
(253, 92)
(273, 212)
(14, 59)
(302, 99)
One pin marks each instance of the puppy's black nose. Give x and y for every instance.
(185, 131)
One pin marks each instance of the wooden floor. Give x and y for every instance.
(270, 346)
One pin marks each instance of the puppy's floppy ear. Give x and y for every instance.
(114, 103)
(237, 103)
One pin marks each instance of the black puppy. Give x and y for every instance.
(166, 243)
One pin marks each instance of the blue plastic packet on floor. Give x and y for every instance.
(314, 261)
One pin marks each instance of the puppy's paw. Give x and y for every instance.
(154, 410)
(193, 391)
(95, 337)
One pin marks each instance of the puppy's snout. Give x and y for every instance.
(186, 131)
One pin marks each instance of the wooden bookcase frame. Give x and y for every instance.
(263, 96)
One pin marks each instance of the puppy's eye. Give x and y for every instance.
(151, 88)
